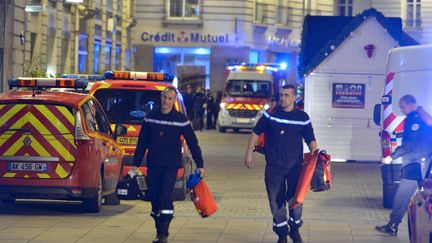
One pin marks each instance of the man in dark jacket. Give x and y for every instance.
(416, 148)
(160, 134)
(199, 102)
(285, 128)
(188, 101)
(210, 109)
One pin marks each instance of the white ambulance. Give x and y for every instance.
(409, 71)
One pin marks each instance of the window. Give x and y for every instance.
(127, 106)
(89, 116)
(64, 51)
(108, 47)
(187, 9)
(109, 4)
(102, 121)
(345, 7)
(283, 14)
(127, 59)
(253, 57)
(260, 12)
(97, 51)
(413, 16)
(118, 57)
(82, 54)
(249, 88)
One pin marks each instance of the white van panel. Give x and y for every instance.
(409, 58)
(346, 133)
(415, 83)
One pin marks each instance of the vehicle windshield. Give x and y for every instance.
(127, 106)
(249, 88)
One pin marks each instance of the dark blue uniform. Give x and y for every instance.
(283, 151)
(160, 134)
(416, 147)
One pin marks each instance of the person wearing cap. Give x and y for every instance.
(160, 136)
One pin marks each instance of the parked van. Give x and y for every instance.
(409, 71)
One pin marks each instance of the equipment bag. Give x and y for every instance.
(321, 180)
(131, 188)
(201, 196)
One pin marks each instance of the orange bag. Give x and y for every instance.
(203, 199)
(305, 178)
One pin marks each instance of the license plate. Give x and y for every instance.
(243, 120)
(37, 167)
(127, 140)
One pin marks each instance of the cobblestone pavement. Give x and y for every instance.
(347, 213)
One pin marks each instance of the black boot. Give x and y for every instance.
(159, 237)
(162, 236)
(282, 239)
(295, 231)
(390, 228)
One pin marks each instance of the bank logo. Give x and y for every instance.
(182, 37)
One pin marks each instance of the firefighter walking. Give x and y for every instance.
(160, 134)
(416, 148)
(285, 128)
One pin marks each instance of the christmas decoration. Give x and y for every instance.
(369, 49)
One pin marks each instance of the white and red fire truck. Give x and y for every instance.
(248, 91)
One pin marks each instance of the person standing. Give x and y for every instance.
(188, 101)
(210, 109)
(416, 148)
(160, 134)
(285, 128)
(199, 102)
(217, 107)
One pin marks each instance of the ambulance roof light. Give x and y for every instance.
(90, 77)
(144, 76)
(38, 83)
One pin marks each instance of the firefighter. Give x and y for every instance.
(160, 134)
(416, 148)
(285, 128)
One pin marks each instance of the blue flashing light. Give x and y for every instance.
(162, 50)
(13, 83)
(283, 65)
(109, 75)
(168, 77)
(81, 83)
(202, 51)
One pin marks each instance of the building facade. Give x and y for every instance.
(48, 38)
(415, 14)
(199, 37)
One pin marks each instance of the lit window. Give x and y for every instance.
(97, 50)
(108, 56)
(187, 9)
(82, 54)
(413, 16)
(253, 57)
(118, 57)
(345, 7)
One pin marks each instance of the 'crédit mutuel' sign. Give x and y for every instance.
(184, 37)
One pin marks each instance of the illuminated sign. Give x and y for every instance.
(184, 37)
(34, 8)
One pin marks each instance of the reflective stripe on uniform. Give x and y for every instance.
(295, 221)
(167, 211)
(169, 123)
(280, 224)
(303, 123)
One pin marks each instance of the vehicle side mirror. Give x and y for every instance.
(412, 171)
(377, 114)
(119, 130)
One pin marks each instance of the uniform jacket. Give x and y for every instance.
(416, 140)
(160, 134)
(285, 132)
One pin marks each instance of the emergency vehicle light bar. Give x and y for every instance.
(145, 76)
(48, 83)
(257, 67)
(90, 77)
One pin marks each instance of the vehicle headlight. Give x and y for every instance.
(222, 105)
(266, 106)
